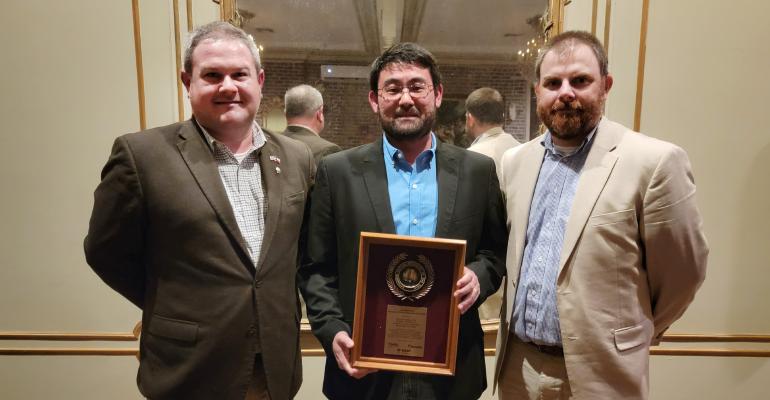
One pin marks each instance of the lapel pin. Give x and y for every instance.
(277, 170)
(276, 160)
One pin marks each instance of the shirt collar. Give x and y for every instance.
(423, 160)
(547, 142)
(258, 139)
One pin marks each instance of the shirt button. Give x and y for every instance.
(540, 259)
(414, 186)
(415, 221)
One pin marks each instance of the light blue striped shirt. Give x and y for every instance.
(535, 315)
(413, 190)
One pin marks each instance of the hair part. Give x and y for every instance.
(486, 105)
(218, 30)
(302, 101)
(405, 53)
(568, 39)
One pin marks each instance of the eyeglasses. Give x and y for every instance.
(415, 90)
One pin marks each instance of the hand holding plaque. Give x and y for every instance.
(404, 296)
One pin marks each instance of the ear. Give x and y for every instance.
(439, 94)
(319, 115)
(261, 77)
(185, 77)
(607, 83)
(373, 98)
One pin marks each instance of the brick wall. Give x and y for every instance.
(350, 121)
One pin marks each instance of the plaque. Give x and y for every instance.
(406, 316)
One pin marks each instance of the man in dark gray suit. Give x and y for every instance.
(410, 184)
(197, 224)
(304, 108)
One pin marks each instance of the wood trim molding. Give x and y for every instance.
(139, 65)
(640, 66)
(312, 348)
(607, 18)
(178, 62)
(594, 14)
(227, 11)
(189, 7)
(70, 337)
(556, 11)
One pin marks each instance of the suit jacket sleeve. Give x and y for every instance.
(675, 247)
(114, 244)
(489, 261)
(318, 276)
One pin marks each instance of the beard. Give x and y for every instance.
(398, 130)
(571, 121)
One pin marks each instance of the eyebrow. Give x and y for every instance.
(409, 82)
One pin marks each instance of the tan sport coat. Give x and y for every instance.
(493, 144)
(634, 255)
(163, 235)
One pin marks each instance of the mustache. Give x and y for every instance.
(573, 106)
(412, 111)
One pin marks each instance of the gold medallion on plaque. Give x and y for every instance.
(410, 279)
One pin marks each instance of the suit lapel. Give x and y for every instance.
(446, 174)
(596, 170)
(269, 162)
(376, 182)
(197, 154)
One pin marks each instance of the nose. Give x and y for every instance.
(227, 85)
(566, 91)
(406, 98)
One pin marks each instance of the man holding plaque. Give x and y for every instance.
(606, 247)
(405, 183)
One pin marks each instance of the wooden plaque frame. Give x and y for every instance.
(448, 260)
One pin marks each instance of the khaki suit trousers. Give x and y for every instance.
(530, 374)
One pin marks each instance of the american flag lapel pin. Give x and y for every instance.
(276, 160)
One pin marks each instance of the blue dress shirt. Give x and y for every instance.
(413, 190)
(535, 314)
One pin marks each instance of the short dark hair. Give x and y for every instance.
(405, 53)
(486, 105)
(563, 39)
(219, 30)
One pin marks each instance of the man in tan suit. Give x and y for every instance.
(484, 118)
(197, 223)
(304, 109)
(605, 249)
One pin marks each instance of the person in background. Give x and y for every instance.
(304, 108)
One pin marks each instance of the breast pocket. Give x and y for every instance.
(295, 198)
(628, 216)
